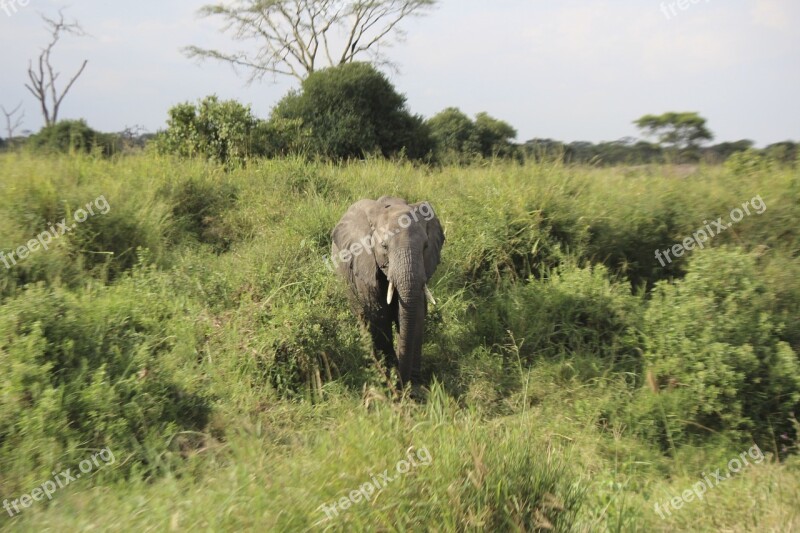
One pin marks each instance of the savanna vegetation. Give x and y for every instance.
(190, 326)
(196, 332)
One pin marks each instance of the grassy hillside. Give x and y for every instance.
(192, 329)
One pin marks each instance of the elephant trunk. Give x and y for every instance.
(409, 280)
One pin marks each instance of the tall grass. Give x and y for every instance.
(195, 330)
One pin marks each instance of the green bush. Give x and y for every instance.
(308, 344)
(748, 163)
(352, 111)
(574, 312)
(459, 139)
(99, 368)
(199, 205)
(226, 132)
(69, 136)
(281, 137)
(714, 355)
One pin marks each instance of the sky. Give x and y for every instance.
(573, 70)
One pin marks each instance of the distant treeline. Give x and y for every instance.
(634, 151)
(352, 111)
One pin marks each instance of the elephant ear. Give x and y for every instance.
(433, 251)
(354, 226)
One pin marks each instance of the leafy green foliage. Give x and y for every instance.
(682, 132)
(67, 136)
(748, 163)
(714, 353)
(224, 131)
(454, 132)
(459, 138)
(198, 208)
(351, 111)
(84, 371)
(574, 311)
(494, 136)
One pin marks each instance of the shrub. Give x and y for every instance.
(282, 137)
(574, 311)
(199, 205)
(714, 354)
(93, 369)
(226, 132)
(748, 162)
(460, 139)
(351, 111)
(455, 135)
(69, 136)
(494, 136)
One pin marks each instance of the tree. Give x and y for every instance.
(454, 133)
(785, 152)
(12, 123)
(43, 80)
(679, 131)
(494, 136)
(460, 139)
(221, 131)
(544, 149)
(351, 111)
(722, 151)
(72, 136)
(293, 36)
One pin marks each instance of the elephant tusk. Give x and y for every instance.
(429, 296)
(390, 294)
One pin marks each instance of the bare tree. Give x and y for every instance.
(12, 123)
(293, 36)
(43, 79)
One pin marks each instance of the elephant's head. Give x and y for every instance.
(388, 250)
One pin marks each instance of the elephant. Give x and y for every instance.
(387, 251)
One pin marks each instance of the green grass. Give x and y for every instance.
(575, 383)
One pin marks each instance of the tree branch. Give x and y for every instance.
(290, 33)
(11, 128)
(44, 81)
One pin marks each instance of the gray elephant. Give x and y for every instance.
(387, 251)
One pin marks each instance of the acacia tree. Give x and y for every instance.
(297, 37)
(43, 78)
(679, 131)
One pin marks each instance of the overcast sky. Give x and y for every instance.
(567, 69)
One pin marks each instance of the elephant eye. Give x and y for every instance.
(384, 246)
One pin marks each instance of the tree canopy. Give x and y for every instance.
(296, 37)
(219, 130)
(353, 110)
(459, 137)
(679, 131)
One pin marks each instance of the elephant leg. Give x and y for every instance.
(382, 342)
(378, 323)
